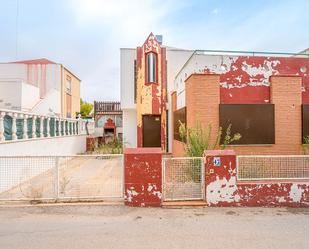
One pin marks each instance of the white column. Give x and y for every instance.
(47, 127)
(2, 137)
(33, 126)
(25, 129)
(42, 126)
(14, 129)
(79, 124)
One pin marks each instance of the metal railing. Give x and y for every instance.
(17, 125)
(273, 167)
(106, 106)
(183, 178)
(75, 177)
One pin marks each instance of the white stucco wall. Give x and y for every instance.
(127, 57)
(30, 95)
(25, 96)
(10, 94)
(129, 128)
(197, 64)
(176, 58)
(70, 145)
(13, 71)
(52, 101)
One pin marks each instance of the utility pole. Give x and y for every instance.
(16, 34)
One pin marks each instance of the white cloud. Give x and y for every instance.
(119, 23)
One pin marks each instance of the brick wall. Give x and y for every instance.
(202, 101)
(203, 98)
(287, 97)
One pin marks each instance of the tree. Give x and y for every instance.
(85, 108)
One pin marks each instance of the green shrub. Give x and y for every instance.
(112, 147)
(197, 139)
(306, 140)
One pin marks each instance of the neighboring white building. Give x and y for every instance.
(40, 87)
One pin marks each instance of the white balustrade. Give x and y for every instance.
(65, 127)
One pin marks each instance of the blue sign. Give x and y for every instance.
(217, 161)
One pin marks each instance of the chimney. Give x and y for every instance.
(159, 39)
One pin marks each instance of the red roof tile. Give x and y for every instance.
(37, 61)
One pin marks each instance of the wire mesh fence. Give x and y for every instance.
(183, 178)
(61, 177)
(272, 167)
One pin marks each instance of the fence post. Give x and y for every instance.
(14, 128)
(25, 128)
(57, 178)
(2, 137)
(143, 177)
(42, 127)
(48, 127)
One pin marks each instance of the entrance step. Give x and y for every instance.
(183, 204)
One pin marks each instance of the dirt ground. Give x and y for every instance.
(81, 226)
(79, 177)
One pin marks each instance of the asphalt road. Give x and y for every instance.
(95, 226)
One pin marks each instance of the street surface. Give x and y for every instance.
(82, 226)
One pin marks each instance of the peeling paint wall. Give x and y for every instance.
(151, 97)
(143, 177)
(244, 79)
(223, 188)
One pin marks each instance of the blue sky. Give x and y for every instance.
(85, 35)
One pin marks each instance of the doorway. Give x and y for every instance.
(151, 131)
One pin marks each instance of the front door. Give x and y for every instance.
(151, 131)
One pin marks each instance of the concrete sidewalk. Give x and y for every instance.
(96, 226)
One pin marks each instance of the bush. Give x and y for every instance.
(197, 139)
(112, 147)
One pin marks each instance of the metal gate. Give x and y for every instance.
(183, 178)
(75, 177)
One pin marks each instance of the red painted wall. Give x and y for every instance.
(251, 86)
(223, 189)
(143, 177)
(151, 97)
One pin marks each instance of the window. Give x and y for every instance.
(254, 122)
(151, 60)
(68, 85)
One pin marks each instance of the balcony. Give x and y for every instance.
(103, 107)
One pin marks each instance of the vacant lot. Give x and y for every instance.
(96, 226)
(77, 177)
